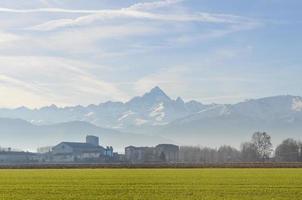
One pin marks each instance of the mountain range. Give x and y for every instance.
(153, 118)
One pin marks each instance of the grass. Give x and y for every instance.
(151, 184)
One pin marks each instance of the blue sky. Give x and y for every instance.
(80, 52)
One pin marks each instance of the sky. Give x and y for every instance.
(70, 52)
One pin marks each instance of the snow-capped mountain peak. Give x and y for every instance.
(156, 108)
(156, 95)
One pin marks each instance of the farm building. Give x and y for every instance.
(140, 154)
(81, 152)
(161, 153)
(15, 157)
(168, 152)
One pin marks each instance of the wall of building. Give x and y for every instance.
(160, 153)
(62, 149)
(168, 152)
(18, 157)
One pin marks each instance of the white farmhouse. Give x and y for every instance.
(81, 152)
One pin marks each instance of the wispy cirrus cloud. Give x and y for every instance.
(215, 33)
(48, 48)
(138, 11)
(8, 37)
(34, 77)
(122, 14)
(142, 12)
(137, 6)
(153, 5)
(47, 10)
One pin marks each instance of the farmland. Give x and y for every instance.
(151, 184)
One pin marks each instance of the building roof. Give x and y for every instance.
(168, 145)
(17, 153)
(84, 147)
(133, 147)
(165, 146)
(79, 145)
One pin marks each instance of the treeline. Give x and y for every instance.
(259, 149)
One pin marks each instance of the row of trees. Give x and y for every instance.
(259, 149)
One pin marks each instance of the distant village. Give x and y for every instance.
(258, 149)
(91, 152)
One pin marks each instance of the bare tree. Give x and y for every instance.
(262, 142)
(288, 151)
(189, 154)
(228, 154)
(208, 155)
(300, 151)
(249, 152)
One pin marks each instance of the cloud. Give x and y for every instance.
(215, 33)
(140, 11)
(55, 55)
(210, 78)
(11, 96)
(47, 10)
(89, 19)
(153, 5)
(55, 80)
(113, 14)
(137, 6)
(84, 43)
(124, 13)
(12, 90)
(8, 37)
(171, 79)
(88, 41)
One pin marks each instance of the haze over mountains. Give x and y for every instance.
(153, 118)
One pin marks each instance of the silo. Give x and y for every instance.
(94, 140)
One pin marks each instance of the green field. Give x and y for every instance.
(151, 184)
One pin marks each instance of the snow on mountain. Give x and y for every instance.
(126, 115)
(158, 112)
(297, 104)
(271, 110)
(157, 109)
(88, 114)
(140, 122)
(151, 109)
(280, 116)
